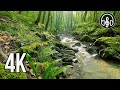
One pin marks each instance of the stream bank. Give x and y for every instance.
(88, 65)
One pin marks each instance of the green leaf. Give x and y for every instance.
(52, 72)
(48, 69)
(32, 65)
(29, 57)
(60, 70)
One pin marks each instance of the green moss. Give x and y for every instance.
(41, 67)
(99, 32)
(117, 30)
(30, 50)
(6, 74)
(35, 45)
(109, 53)
(86, 38)
(113, 42)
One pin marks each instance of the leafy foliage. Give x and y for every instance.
(28, 57)
(51, 72)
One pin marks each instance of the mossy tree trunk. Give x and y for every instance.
(38, 18)
(43, 18)
(47, 23)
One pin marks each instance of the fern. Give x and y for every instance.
(51, 72)
(50, 66)
(60, 71)
(32, 65)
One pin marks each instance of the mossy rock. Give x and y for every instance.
(99, 32)
(86, 38)
(76, 35)
(6, 74)
(117, 30)
(45, 36)
(113, 42)
(109, 53)
(41, 67)
(91, 49)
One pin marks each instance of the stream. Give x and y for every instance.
(89, 66)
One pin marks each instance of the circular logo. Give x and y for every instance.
(107, 20)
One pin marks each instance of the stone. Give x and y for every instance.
(77, 44)
(75, 50)
(67, 60)
(75, 60)
(86, 38)
(70, 52)
(109, 53)
(56, 55)
(67, 63)
(91, 49)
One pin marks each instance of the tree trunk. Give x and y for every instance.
(38, 18)
(114, 13)
(71, 24)
(85, 14)
(95, 16)
(47, 23)
(43, 17)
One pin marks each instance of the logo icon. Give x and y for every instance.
(107, 20)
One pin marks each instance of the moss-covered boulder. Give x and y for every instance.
(86, 38)
(109, 47)
(91, 49)
(6, 74)
(76, 35)
(109, 53)
(113, 42)
(45, 36)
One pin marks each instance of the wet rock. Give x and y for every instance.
(57, 37)
(68, 72)
(70, 52)
(67, 60)
(76, 35)
(75, 50)
(67, 63)
(75, 60)
(109, 53)
(77, 44)
(91, 50)
(86, 38)
(56, 48)
(56, 55)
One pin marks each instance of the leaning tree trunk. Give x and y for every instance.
(47, 23)
(38, 18)
(43, 17)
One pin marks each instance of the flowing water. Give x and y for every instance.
(88, 66)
